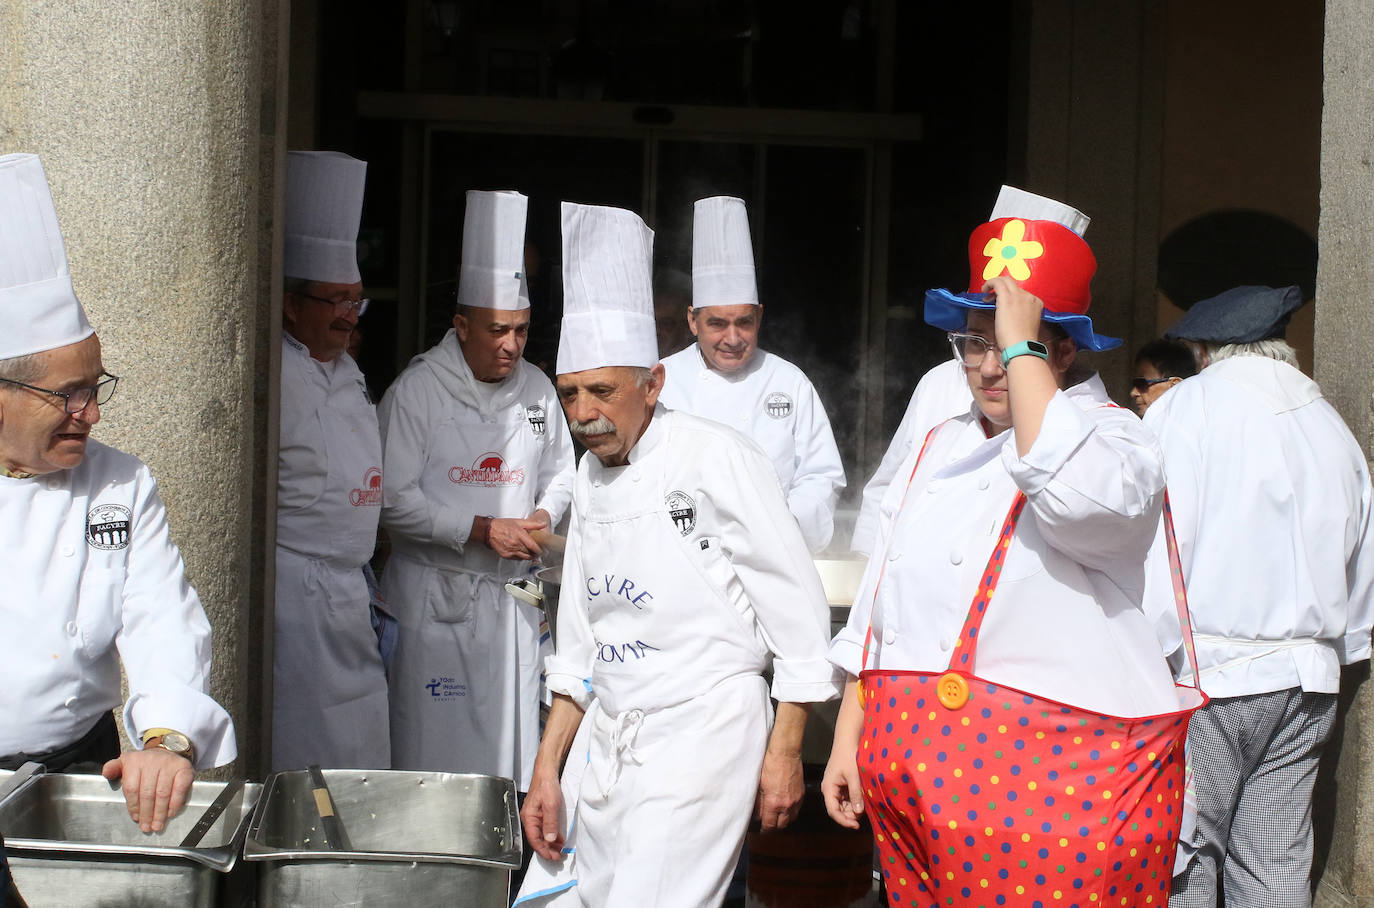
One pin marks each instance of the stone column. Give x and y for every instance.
(1344, 337)
(147, 117)
(1092, 134)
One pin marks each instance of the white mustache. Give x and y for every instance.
(599, 426)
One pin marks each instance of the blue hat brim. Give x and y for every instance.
(949, 311)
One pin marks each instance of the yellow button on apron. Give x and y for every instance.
(859, 689)
(952, 690)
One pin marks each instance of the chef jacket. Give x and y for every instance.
(713, 485)
(1066, 622)
(1271, 502)
(425, 508)
(941, 393)
(92, 577)
(772, 402)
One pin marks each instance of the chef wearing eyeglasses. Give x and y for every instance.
(329, 685)
(91, 575)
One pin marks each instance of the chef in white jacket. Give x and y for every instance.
(476, 459)
(725, 377)
(329, 687)
(684, 580)
(91, 575)
(1272, 506)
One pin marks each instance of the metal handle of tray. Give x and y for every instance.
(21, 778)
(334, 834)
(207, 819)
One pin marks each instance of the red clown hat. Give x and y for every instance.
(1045, 258)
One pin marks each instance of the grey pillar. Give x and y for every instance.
(1093, 109)
(1344, 337)
(147, 117)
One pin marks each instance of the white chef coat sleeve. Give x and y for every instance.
(569, 670)
(819, 474)
(557, 468)
(164, 640)
(1360, 569)
(866, 526)
(406, 426)
(1095, 482)
(769, 556)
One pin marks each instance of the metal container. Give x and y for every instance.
(840, 578)
(417, 839)
(71, 844)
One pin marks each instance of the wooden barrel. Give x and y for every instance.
(813, 863)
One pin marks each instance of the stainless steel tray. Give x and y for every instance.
(70, 843)
(417, 839)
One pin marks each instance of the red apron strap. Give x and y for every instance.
(1180, 594)
(966, 646)
(868, 637)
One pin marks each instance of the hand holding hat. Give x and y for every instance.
(1018, 311)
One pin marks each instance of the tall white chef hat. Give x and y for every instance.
(1017, 203)
(722, 254)
(38, 306)
(324, 205)
(608, 296)
(492, 275)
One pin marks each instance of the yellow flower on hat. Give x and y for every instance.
(1010, 252)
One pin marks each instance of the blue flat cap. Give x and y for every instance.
(1241, 315)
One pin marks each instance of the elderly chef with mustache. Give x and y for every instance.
(685, 579)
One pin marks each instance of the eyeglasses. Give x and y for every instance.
(1144, 384)
(77, 401)
(970, 349)
(341, 307)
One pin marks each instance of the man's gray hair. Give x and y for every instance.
(1271, 348)
(642, 375)
(26, 368)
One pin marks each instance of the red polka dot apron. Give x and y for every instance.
(983, 795)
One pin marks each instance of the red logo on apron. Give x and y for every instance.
(488, 470)
(370, 495)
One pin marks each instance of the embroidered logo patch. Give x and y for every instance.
(683, 511)
(778, 405)
(107, 527)
(488, 470)
(535, 414)
(370, 495)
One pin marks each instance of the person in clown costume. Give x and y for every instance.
(1024, 747)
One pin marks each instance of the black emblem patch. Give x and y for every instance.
(778, 405)
(683, 510)
(535, 414)
(107, 526)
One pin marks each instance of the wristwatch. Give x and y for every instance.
(1033, 348)
(175, 742)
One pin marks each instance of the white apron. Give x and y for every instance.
(329, 686)
(465, 679)
(657, 799)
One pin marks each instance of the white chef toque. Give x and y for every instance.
(492, 275)
(324, 205)
(722, 254)
(608, 296)
(1017, 203)
(38, 306)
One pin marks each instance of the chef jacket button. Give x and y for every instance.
(956, 557)
(69, 702)
(53, 483)
(932, 488)
(68, 551)
(889, 635)
(893, 555)
(71, 628)
(983, 483)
